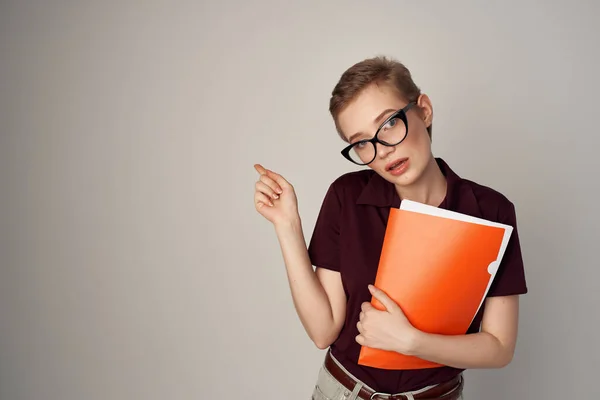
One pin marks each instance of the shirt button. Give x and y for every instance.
(346, 393)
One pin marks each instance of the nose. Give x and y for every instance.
(383, 151)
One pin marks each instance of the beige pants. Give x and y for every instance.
(328, 388)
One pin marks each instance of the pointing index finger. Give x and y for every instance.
(260, 169)
(273, 175)
(277, 178)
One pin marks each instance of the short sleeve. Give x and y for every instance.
(324, 247)
(510, 278)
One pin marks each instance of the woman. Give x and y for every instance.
(387, 124)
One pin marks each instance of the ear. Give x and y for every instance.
(426, 109)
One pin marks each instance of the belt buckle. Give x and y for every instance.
(387, 396)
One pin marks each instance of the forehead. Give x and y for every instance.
(360, 113)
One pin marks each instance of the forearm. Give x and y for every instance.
(309, 296)
(478, 350)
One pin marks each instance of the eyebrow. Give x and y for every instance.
(376, 121)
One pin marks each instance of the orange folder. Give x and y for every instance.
(437, 265)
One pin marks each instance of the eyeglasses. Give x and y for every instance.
(391, 133)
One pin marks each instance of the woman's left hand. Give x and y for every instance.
(388, 329)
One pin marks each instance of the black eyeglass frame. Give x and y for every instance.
(375, 139)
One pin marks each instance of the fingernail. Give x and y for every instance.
(271, 203)
(279, 191)
(275, 196)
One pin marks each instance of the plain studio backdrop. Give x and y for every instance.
(133, 263)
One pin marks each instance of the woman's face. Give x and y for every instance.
(365, 114)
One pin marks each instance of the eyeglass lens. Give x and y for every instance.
(392, 133)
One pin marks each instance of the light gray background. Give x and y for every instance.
(133, 264)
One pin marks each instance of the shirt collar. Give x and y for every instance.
(380, 193)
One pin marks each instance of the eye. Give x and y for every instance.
(390, 124)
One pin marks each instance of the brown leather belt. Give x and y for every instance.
(450, 390)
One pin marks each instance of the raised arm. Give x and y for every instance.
(318, 296)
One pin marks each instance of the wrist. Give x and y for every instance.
(412, 342)
(291, 224)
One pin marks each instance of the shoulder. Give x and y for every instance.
(475, 198)
(351, 184)
(342, 192)
(486, 193)
(493, 204)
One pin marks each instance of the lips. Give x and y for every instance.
(395, 164)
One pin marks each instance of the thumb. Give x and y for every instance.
(383, 298)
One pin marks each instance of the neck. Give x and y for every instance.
(429, 189)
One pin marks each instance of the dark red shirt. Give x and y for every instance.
(348, 238)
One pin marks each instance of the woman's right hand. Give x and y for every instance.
(274, 197)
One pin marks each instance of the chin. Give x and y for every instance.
(408, 178)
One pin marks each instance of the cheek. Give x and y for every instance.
(418, 140)
(378, 165)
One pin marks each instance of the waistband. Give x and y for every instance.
(450, 390)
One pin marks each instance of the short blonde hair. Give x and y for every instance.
(377, 70)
